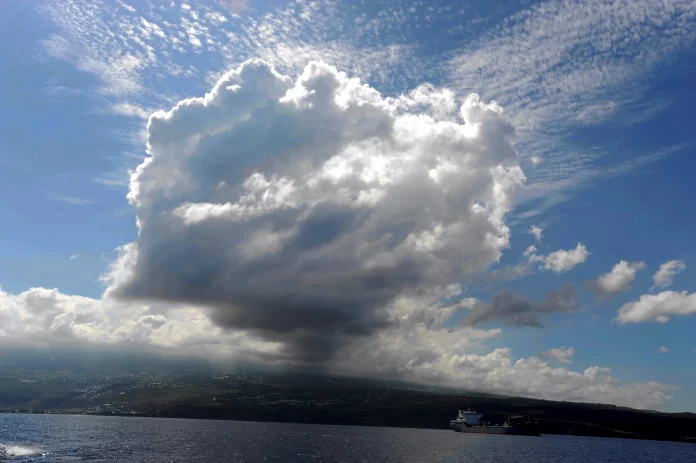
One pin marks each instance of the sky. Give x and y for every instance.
(493, 196)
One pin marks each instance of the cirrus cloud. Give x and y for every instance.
(665, 275)
(536, 231)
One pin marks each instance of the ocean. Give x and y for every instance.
(72, 438)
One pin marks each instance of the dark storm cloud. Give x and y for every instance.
(518, 310)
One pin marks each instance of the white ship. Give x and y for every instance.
(470, 421)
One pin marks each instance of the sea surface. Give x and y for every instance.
(71, 438)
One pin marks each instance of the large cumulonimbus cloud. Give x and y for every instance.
(300, 211)
(315, 222)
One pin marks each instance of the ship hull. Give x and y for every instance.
(509, 430)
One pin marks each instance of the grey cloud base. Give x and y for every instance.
(514, 309)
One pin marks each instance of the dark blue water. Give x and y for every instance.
(61, 438)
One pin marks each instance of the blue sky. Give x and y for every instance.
(600, 96)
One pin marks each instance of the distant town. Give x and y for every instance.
(312, 398)
(136, 394)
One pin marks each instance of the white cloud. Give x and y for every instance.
(665, 275)
(498, 372)
(417, 348)
(126, 6)
(318, 219)
(441, 103)
(74, 256)
(596, 113)
(235, 5)
(663, 349)
(618, 280)
(560, 354)
(46, 317)
(215, 17)
(530, 251)
(536, 231)
(535, 160)
(46, 313)
(657, 307)
(562, 260)
(131, 110)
